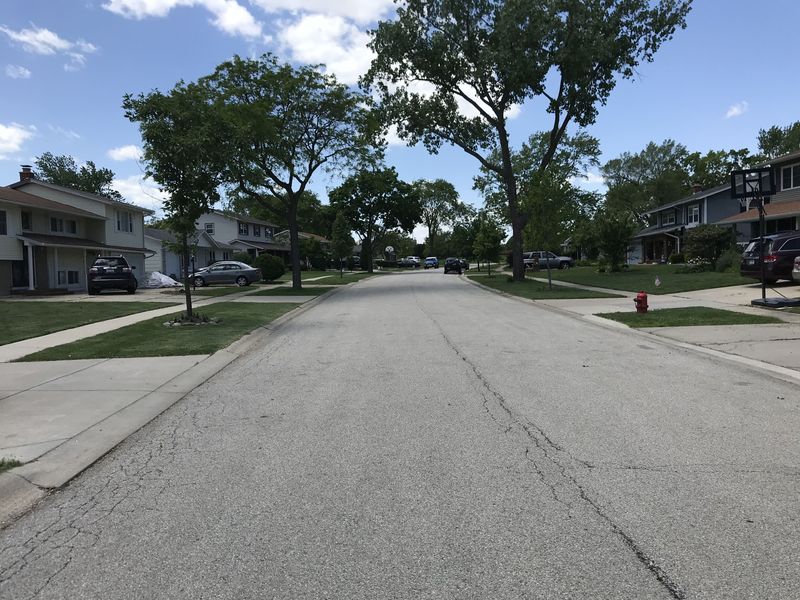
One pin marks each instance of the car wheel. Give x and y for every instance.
(131, 290)
(199, 281)
(565, 265)
(241, 281)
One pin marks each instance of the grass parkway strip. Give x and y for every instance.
(643, 277)
(534, 290)
(26, 319)
(153, 338)
(687, 317)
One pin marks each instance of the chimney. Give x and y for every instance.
(26, 174)
(696, 188)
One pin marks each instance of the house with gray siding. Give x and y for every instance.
(243, 233)
(783, 211)
(50, 235)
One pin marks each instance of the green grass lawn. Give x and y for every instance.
(535, 290)
(687, 317)
(152, 338)
(642, 277)
(6, 464)
(26, 319)
(287, 291)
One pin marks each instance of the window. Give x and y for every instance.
(225, 256)
(209, 228)
(124, 221)
(244, 229)
(27, 221)
(792, 244)
(257, 230)
(72, 277)
(267, 232)
(668, 218)
(212, 256)
(790, 177)
(3, 224)
(694, 214)
(56, 225)
(72, 226)
(62, 277)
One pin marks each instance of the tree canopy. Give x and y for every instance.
(63, 170)
(286, 124)
(490, 56)
(440, 208)
(373, 202)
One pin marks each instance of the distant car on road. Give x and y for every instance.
(228, 271)
(780, 251)
(543, 260)
(452, 265)
(406, 263)
(431, 262)
(111, 273)
(464, 264)
(415, 260)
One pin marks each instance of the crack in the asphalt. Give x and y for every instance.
(549, 448)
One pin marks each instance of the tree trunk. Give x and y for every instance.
(517, 219)
(187, 289)
(294, 243)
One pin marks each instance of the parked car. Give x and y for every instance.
(406, 263)
(464, 264)
(415, 260)
(540, 259)
(796, 270)
(228, 271)
(111, 273)
(452, 265)
(780, 251)
(431, 262)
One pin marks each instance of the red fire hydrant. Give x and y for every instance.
(641, 302)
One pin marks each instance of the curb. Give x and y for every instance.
(21, 488)
(782, 373)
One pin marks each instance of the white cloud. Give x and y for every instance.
(17, 72)
(392, 139)
(737, 110)
(360, 11)
(141, 192)
(340, 45)
(38, 40)
(129, 152)
(229, 16)
(590, 179)
(12, 137)
(67, 133)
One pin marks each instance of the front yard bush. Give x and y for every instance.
(677, 258)
(708, 242)
(729, 261)
(271, 267)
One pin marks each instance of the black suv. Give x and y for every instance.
(780, 250)
(452, 265)
(111, 272)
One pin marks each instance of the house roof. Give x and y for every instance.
(780, 159)
(656, 230)
(693, 198)
(261, 245)
(90, 196)
(302, 234)
(160, 234)
(62, 241)
(13, 196)
(243, 218)
(773, 210)
(215, 243)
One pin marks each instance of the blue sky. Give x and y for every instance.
(65, 65)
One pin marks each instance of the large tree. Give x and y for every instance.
(312, 215)
(287, 124)
(63, 170)
(375, 201)
(776, 141)
(184, 148)
(440, 207)
(490, 56)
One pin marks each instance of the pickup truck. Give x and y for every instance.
(539, 260)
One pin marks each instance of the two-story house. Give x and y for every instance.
(783, 211)
(243, 233)
(49, 234)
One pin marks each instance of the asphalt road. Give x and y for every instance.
(415, 436)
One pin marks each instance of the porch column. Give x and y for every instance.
(30, 266)
(55, 263)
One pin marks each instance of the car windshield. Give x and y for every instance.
(754, 247)
(110, 262)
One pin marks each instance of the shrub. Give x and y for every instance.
(271, 267)
(708, 242)
(729, 261)
(585, 263)
(242, 257)
(695, 265)
(677, 258)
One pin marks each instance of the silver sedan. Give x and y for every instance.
(228, 271)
